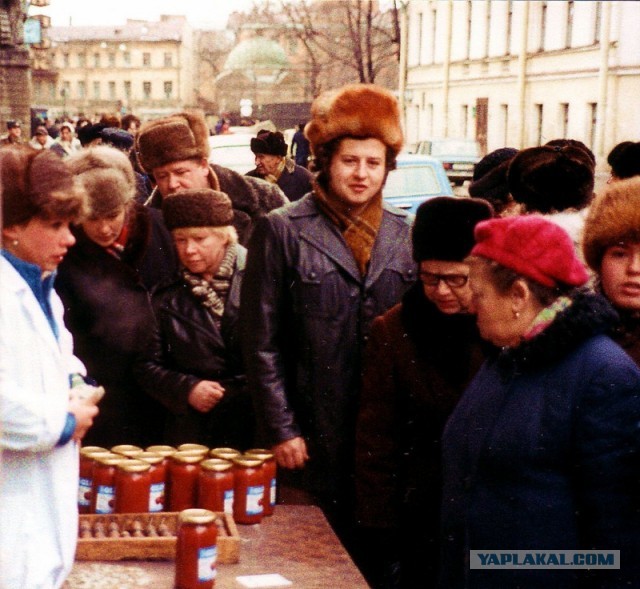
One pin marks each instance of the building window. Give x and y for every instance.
(112, 90)
(509, 32)
(469, 22)
(569, 30)
(65, 60)
(66, 89)
(597, 22)
(126, 56)
(146, 90)
(487, 31)
(543, 25)
(96, 90)
(564, 119)
(434, 23)
(82, 60)
(430, 119)
(82, 89)
(420, 21)
(168, 90)
(37, 90)
(168, 59)
(538, 140)
(96, 60)
(146, 58)
(504, 109)
(112, 60)
(593, 112)
(52, 91)
(127, 89)
(464, 119)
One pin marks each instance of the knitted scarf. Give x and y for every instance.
(213, 294)
(358, 231)
(273, 178)
(546, 316)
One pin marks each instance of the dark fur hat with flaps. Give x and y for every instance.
(269, 143)
(614, 217)
(355, 110)
(197, 208)
(443, 228)
(181, 136)
(551, 178)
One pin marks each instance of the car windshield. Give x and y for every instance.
(455, 147)
(412, 180)
(231, 155)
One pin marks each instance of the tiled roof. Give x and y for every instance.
(167, 29)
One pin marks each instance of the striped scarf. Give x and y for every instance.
(213, 294)
(358, 231)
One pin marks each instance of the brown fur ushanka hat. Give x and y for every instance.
(181, 136)
(355, 110)
(195, 207)
(614, 217)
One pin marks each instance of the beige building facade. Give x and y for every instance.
(145, 68)
(520, 73)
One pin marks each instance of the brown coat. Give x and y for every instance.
(418, 363)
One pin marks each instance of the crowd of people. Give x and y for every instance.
(465, 379)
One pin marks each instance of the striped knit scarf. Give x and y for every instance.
(213, 294)
(358, 231)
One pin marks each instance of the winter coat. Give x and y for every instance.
(543, 453)
(252, 198)
(108, 310)
(38, 480)
(295, 181)
(306, 313)
(627, 333)
(188, 347)
(417, 364)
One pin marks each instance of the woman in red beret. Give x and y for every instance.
(542, 451)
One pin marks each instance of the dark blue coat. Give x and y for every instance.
(543, 453)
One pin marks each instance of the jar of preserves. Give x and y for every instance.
(163, 450)
(86, 477)
(248, 490)
(224, 453)
(269, 468)
(133, 484)
(196, 550)
(183, 481)
(104, 483)
(128, 450)
(158, 475)
(215, 485)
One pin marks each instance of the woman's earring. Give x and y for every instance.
(14, 243)
(516, 314)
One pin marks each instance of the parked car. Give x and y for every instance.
(416, 179)
(233, 151)
(458, 156)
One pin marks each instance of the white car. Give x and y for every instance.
(232, 150)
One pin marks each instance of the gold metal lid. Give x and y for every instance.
(226, 453)
(134, 466)
(86, 450)
(126, 449)
(187, 457)
(262, 453)
(161, 449)
(216, 464)
(110, 460)
(190, 446)
(245, 461)
(196, 516)
(150, 457)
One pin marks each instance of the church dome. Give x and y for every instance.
(257, 53)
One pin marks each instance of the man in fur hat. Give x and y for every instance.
(318, 272)
(273, 165)
(175, 151)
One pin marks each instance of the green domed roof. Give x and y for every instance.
(257, 53)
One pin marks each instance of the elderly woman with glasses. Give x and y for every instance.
(420, 356)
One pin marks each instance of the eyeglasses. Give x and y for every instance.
(451, 280)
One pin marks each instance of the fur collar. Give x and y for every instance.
(588, 316)
(447, 341)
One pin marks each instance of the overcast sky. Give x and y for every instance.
(201, 13)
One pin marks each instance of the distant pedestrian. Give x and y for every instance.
(624, 160)
(41, 139)
(14, 134)
(273, 165)
(300, 147)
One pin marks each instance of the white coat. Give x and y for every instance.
(38, 481)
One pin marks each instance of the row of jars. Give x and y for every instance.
(128, 479)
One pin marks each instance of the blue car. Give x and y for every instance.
(416, 179)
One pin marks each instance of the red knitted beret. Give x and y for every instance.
(533, 247)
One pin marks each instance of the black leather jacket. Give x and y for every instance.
(306, 313)
(188, 347)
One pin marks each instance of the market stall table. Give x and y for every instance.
(296, 542)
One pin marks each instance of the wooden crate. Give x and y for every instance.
(100, 537)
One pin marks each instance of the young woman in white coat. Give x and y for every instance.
(42, 419)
